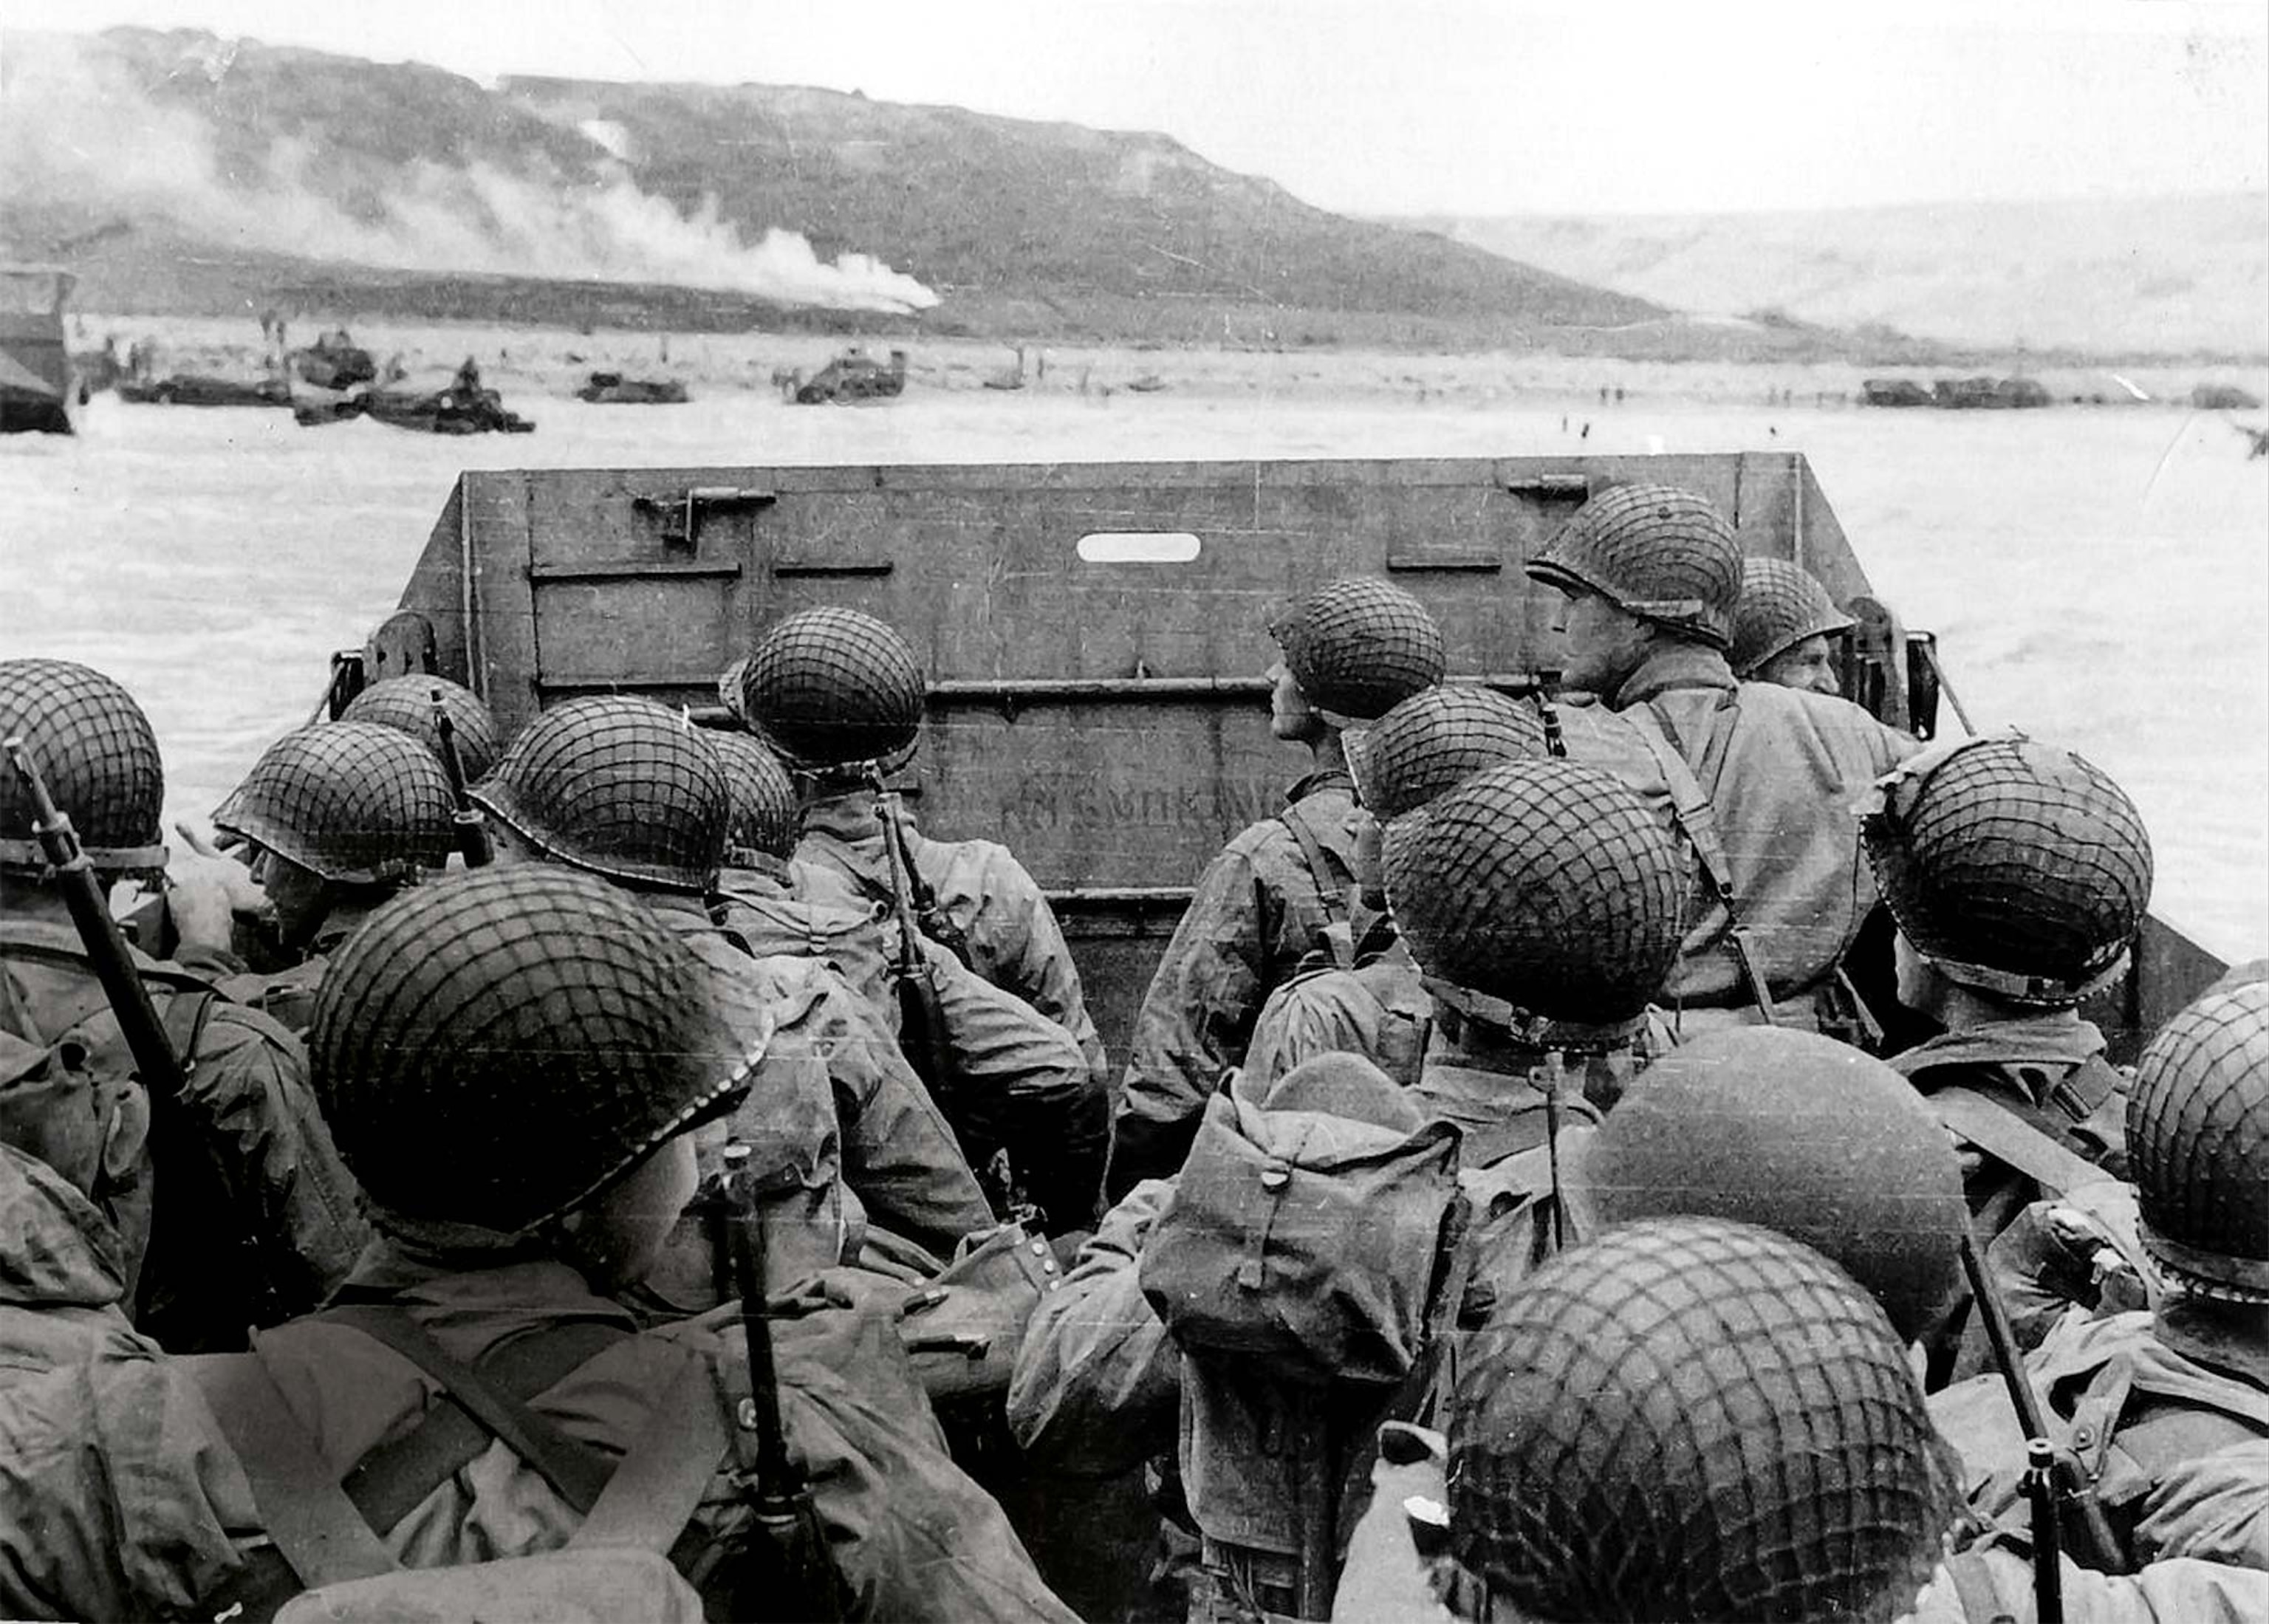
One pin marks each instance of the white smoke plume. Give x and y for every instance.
(75, 128)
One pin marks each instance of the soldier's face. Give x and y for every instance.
(298, 896)
(1290, 717)
(1600, 643)
(1810, 664)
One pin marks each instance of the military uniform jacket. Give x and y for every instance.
(1782, 770)
(1376, 1009)
(1259, 909)
(2167, 1412)
(262, 1219)
(992, 899)
(131, 1536)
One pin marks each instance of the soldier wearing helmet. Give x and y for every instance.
(1782, 627)
(220, 1210)
(2166, 1408)
(1376, 1007)
(2019, 874)
(405, 704)
(1651, 582)
(336, 819)
(1349, 652)
(1003, 1049)
(624, 789)
(838, 693)
(555, 1043)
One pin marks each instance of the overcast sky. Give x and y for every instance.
(1474, 106)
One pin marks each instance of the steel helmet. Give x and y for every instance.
(2197, 1144)
(1695, 1420)
(1359, 646)
(828, 687)
(622, 787)
(1545, 886)
(95, 751)
(2015, 867)
(406, 703)
(1797, 1134)
(355, 802)
(767, 817)
(1655, 551)
(1781, 605)
(500, 1047)
(1435, 740)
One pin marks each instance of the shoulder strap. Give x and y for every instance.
(2002, 1134)
(389, 1482)
(1690, 803)
(1321, 866)
(575, 1472)
(305, 1511)
(659, 1485)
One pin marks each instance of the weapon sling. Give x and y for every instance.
(472, 829)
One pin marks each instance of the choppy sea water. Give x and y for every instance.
(2099, 576)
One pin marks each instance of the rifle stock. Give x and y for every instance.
(113, 962)
(472, 829)
(790, 1574)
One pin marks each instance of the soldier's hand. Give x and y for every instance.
(205, 865)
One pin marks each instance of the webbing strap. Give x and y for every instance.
(392, 1480)
(1319, 863)
(300, 1502)
(2005, 1136)
(576, 1473)
(655, 1492)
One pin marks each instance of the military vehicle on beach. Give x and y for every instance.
(1095, 632)
(614, 389)
(39, 390)
(853, 375)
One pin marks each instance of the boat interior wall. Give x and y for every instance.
(1105, 715)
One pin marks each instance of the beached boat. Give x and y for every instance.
(453, 411)
(205, 390)
(1086, 703)
(39, 390)
(614, 389)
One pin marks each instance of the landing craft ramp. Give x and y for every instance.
(1095, 632)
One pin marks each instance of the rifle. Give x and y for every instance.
(921, 1018)
(472, 830)
(161, 1069)
(789, 1572)
(2061, 1486)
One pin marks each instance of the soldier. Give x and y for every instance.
(1699, 1420)
(406, 705)
(2167, 1409)
(337, 818)
(1651, 577)
(1782, 627)
(2019, 874)
(838, 693)
(1376, 1007)
(1000, 1048)
(624, 789)
(1349, 651)
(255, 1218)
(553, 1038)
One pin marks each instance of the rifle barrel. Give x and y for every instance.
(113, 962)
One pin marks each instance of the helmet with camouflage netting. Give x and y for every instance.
(1695, 1420)
(538, 1029)
(2197, 1145)
(828, 687)
(767, 817)
(1781, 605)
(406, 704)
(1801, 1134)
(621, 787)
(1360, 645)
(2015, 867)
(1435, 741)
(95, 751)
(1655, 551)
(354, 803)
(1542, 896)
